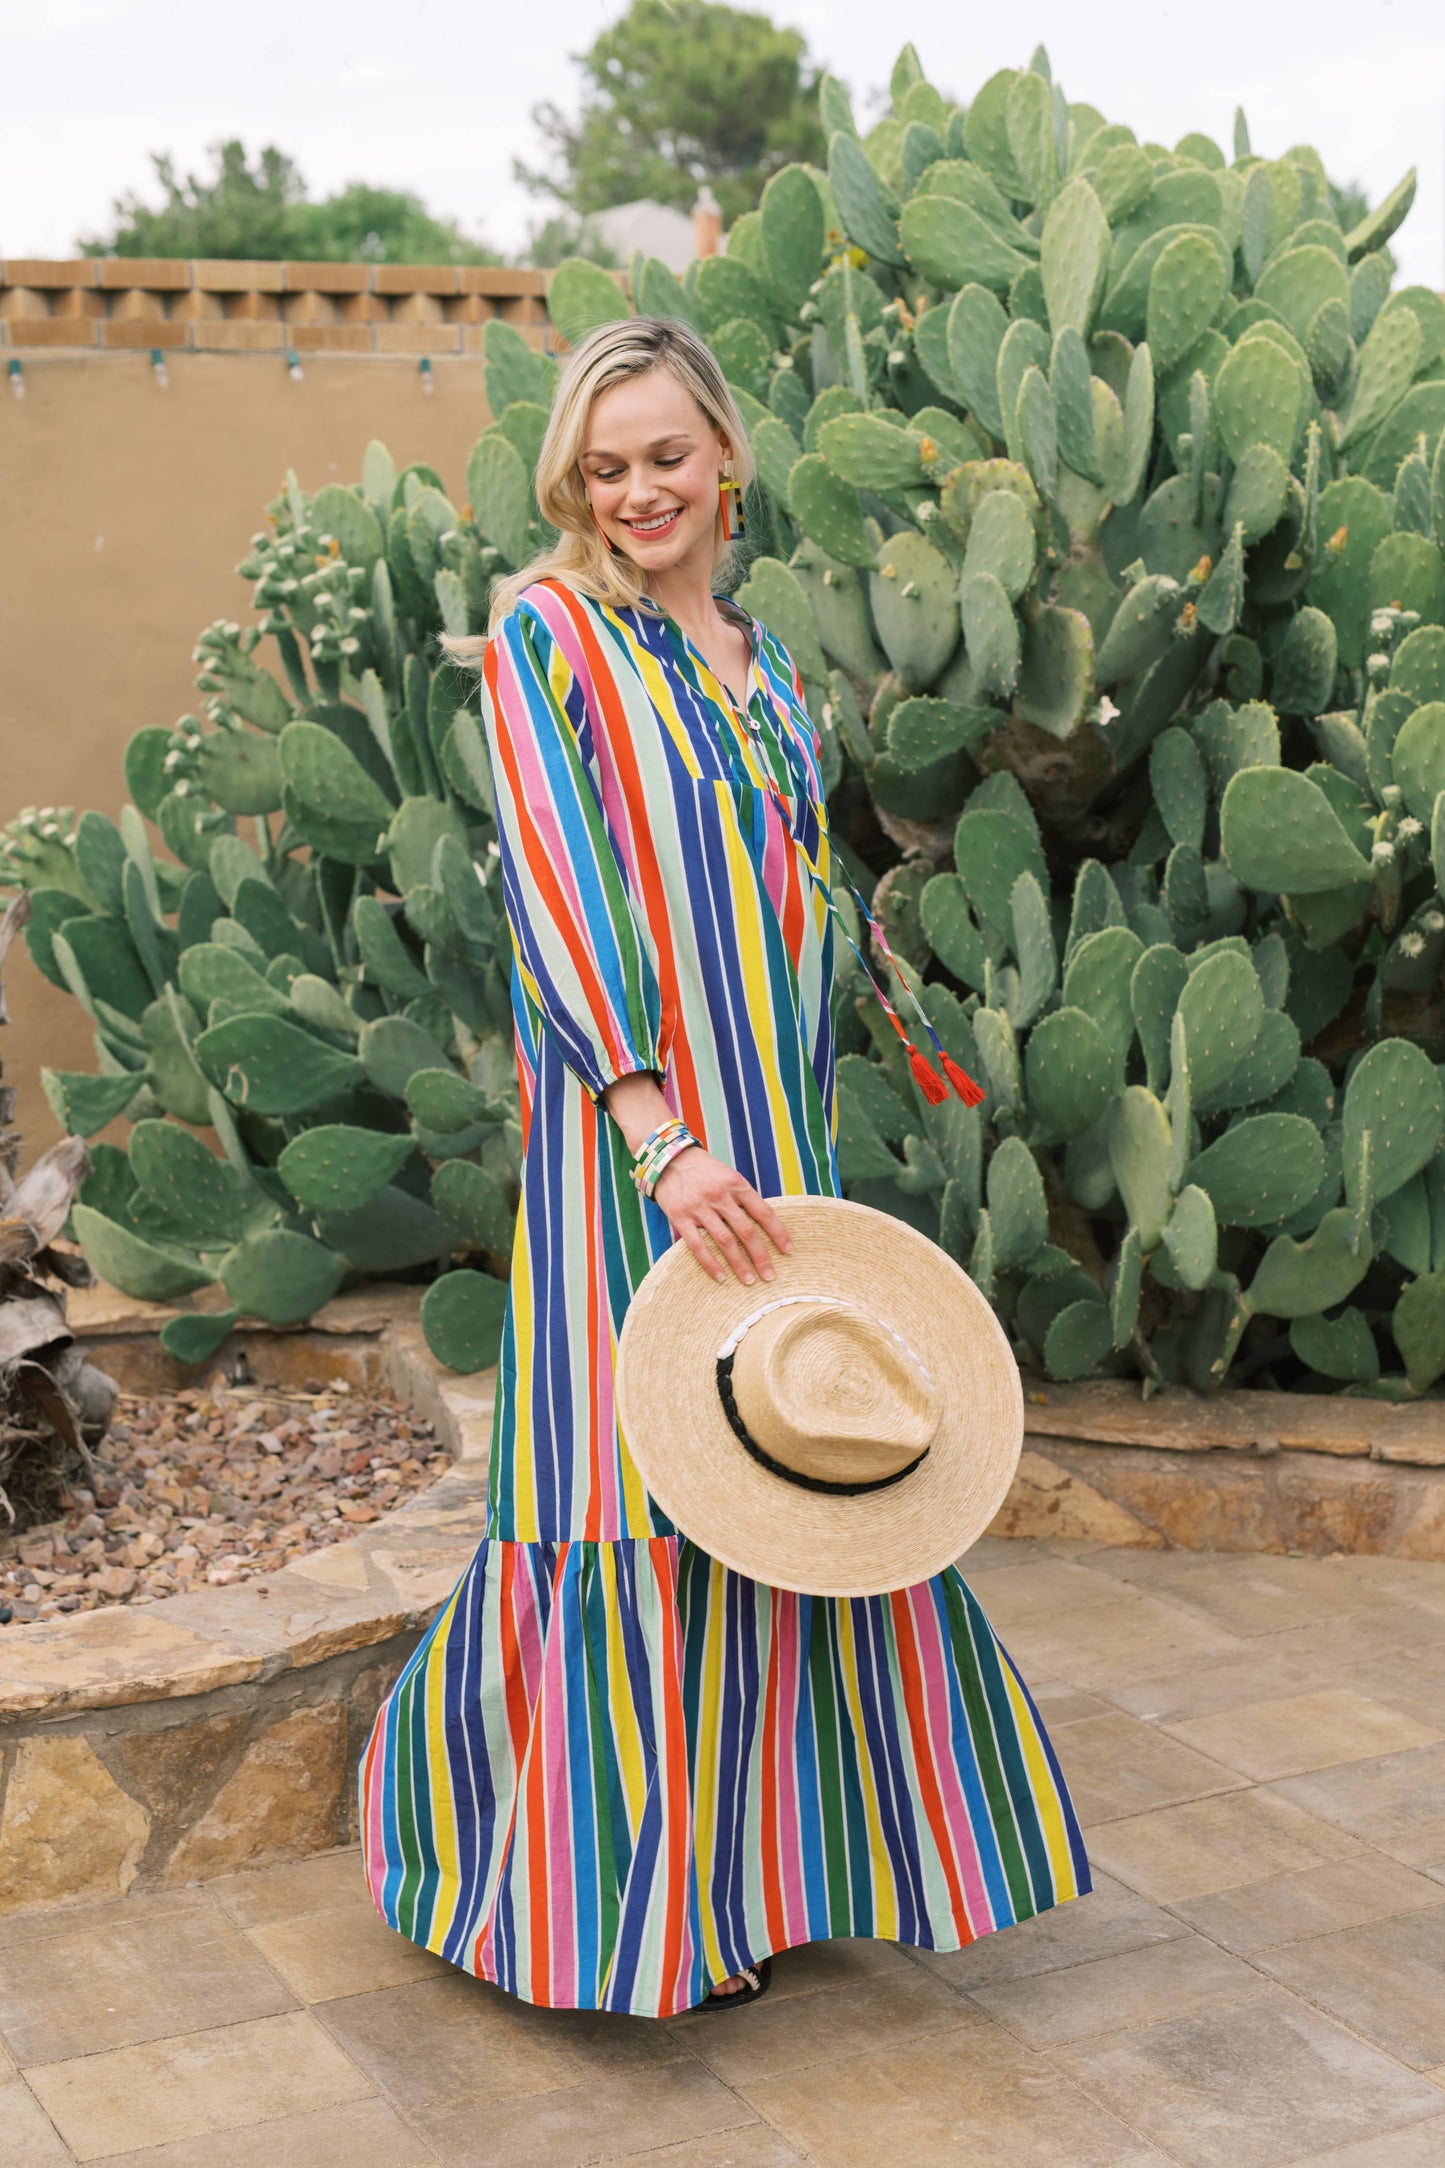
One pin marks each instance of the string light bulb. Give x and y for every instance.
(428, 382)
(158, 368)
(293, 365)
(17, 377)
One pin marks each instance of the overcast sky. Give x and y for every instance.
(436, 95)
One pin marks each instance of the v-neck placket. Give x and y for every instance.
(711, 687)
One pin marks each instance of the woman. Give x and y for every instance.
(615, 1774)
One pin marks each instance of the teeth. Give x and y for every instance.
(648, 526)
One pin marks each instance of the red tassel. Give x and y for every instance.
(962, 1082)
(928, 1080)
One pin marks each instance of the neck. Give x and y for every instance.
(684, 590)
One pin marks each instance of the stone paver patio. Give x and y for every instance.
(1257, 1749)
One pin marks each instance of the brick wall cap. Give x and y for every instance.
(328, 278)
(222, 275)
(166, 274)
(49, 271)
(418, 278)
(502, 280)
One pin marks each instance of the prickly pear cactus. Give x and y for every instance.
(1101, 502)
(1114, 479)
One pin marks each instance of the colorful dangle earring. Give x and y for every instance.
(731, 496)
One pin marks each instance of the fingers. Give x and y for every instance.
(697, 1242)
(770, 1222)
(724, 1223)
(740, 1218)
(723, 1220)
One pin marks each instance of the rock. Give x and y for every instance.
(176, 1767)
(116, 1580)
(68, 1831)
(1047, 1499)
(283, 1801)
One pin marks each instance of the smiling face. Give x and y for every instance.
(651, 461)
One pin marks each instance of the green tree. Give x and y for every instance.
(563, 235)
(676, 93)
(261, 211)
(388, 225)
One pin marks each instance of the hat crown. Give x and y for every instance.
(832, 1394)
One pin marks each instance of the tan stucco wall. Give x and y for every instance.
(124, 509)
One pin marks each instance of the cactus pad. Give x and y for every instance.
(1257, 398)
(281, 1276)
(1072, 1072)
(914, 607)
(1279, 831)
(1262, 1170)
(1419, 1328)
(195, 1193)
(151, 1271)
(1186, 286)
(1138, 1145)
(976, 327)
(1222, 1006)
(1016, 1204)
(1395, 1094)
(269, 1066)
(335, 1168)
(1074, 257)
(1297, 1279)
(1418, 759)
(826, 508)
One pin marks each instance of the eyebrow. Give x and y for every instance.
(673, 436)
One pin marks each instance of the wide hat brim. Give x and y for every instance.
(672, 1421)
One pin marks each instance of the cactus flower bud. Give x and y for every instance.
(927, 450)
(1338, 540)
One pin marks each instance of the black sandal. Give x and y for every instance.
(759, 1978)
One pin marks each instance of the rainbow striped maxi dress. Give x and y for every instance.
(614, 1770)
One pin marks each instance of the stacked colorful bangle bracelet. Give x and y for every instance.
(658, 1151)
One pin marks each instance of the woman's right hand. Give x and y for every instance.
(710, 1203)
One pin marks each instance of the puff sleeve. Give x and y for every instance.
(579, 948)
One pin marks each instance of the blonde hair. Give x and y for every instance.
(612, 354)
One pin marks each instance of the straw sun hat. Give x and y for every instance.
(846, 1428)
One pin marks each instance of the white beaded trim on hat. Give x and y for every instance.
(780, 1302)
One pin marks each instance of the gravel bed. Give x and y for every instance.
(214, 1485)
